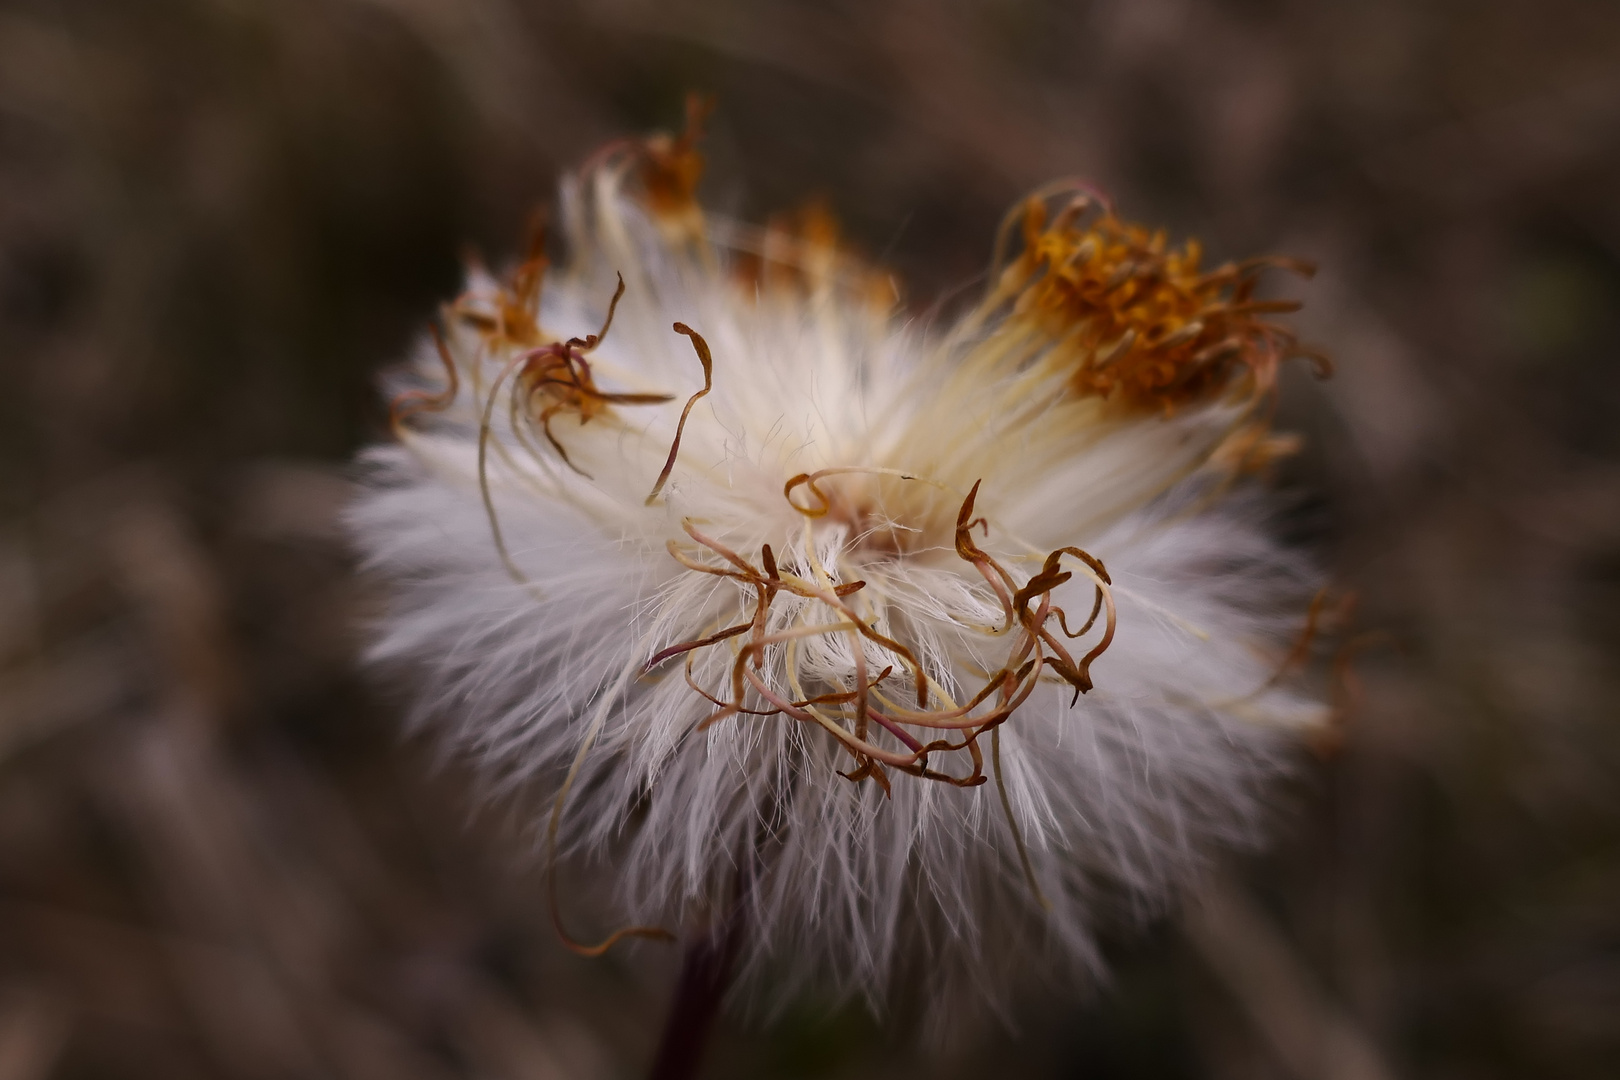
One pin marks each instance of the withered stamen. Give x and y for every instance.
(1028, 608)
(410, 402)
(707, 361)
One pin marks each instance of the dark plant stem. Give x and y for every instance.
(705, 973)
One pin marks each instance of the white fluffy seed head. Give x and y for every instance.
(1097, 405)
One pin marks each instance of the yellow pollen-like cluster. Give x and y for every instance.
(1145, 326)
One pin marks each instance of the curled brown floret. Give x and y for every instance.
(512, 320)
(707, 360)
(553, 379)
(557, 379)
(801, 254)
(855, 714)
(408, 403)
(670, 167)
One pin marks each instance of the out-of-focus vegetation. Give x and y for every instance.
(219, 219)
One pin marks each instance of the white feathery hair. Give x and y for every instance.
(532, 580)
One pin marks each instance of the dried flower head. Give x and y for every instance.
(952, 645)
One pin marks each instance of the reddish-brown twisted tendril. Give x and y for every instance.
(849, 713)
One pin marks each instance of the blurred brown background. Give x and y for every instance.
(220, 218)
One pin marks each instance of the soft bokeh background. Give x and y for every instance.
(220, 218)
